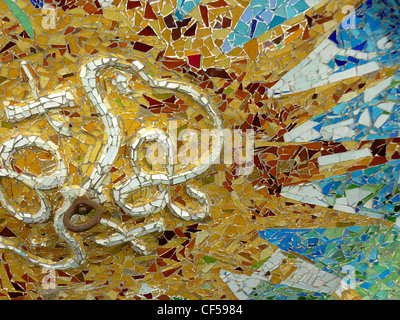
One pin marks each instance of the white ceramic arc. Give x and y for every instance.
(144, 179)
(40, 182)
(89, 74)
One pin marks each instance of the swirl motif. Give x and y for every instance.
(93, 184)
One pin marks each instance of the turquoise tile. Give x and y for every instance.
(301, 6)
(276, 21)
(242, 28)
(240, 39)
(281, 12)
(291, 12)
(261, 28)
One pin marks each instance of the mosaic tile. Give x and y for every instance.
(372, 115)
(370, 192)
(358, 49)
(261, 16)
(338, 250)
(199, 150)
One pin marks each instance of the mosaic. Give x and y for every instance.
(199, 150)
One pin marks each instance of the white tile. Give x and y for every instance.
(342, 75)
(381, 120)
(372, 92)
(365, 118)
(386, 106)
(367, 68)
(343, 208)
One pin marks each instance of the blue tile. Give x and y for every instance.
(226, 47)
(384, 274)
(253, 27)
(37, 3)
(247, 15)
(276, 21)
(333, 37)
(340, 62)
(361, 46)
(301, 6)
